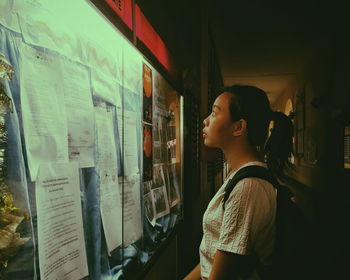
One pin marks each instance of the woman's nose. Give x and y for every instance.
(205, 121)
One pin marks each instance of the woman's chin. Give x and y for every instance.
(208, 144)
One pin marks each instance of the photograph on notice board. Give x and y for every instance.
(173, 188)
(159, 192)
(171, 128)
(161, 88)
(147, 186)
(171, 151)
(159, 101)
(160, 202)
(164, 153)
(157, 155)
(158, 176)
(147, 152)
(149, 208)
(147, 93)
(156, 125)
(163, 129)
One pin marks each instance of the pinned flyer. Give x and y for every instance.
(61, 242)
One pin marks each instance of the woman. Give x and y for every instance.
(238, 238)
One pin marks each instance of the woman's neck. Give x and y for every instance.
(238, 155)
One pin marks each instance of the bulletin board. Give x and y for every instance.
(90, 146)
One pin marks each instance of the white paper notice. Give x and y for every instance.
(105, 87)
(110, 205)
(60, 226)
(50, 25)
(133, 69)
(111, 209)
(43, 108)
(80, 113)
(130, 144)
(132, 210)
(8, 17)
(128, 136)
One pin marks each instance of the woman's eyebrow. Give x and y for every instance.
(216, 106)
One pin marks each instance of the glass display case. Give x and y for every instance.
(90, 146)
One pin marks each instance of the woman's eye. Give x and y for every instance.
(213, 113)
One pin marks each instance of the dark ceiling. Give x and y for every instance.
(270, 44)
(265, 43)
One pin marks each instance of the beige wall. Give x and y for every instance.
(314, 84)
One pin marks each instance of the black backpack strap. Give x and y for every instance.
(248, 172)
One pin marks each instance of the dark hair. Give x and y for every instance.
(251, 103)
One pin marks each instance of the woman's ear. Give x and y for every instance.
(239, 127)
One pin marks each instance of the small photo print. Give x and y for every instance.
(158, 176)
(171, 132)
(161, 204)
(164, 153)
(163, 129)
(157, 154)
(156, 125)
(149, 208)
(174, 190)
(147, 186)
(172, 154)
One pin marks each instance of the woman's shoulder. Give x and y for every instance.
(252, 182)
(253, 186)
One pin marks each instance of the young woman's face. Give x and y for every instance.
(217, 130)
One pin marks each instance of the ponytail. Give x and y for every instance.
(279, 146)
